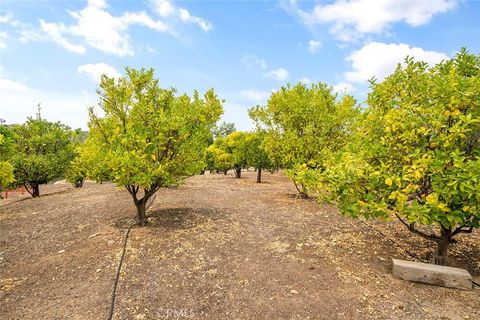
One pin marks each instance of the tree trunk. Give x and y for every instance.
(259, 175)
(78, 184)
(225, 172)
(141, 214)
(303, 192)
(238, 172)
(141, 204)
(443, 243)
(35, 190)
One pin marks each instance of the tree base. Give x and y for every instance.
(439, 260)
(304, 195)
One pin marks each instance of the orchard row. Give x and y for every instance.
(411, 152)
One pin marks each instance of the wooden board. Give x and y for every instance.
(432, 274)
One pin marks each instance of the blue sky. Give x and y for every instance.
(53, 52)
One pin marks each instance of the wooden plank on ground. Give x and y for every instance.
(432, 274)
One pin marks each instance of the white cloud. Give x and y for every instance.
(380, 59)
(29, 33)
(95, 71)
(21, 31)
(97, 28)
(255, 95)
(101, 4)
(344, 87)
(6, 18)
(185, 16)
(251, 60)
(21, 102)
(351, 19)
(6, 84)
(279, 74)
(305, 80)
(54, 32)
(150, 49)
(313, 46)
(165, 8)
(3, 39)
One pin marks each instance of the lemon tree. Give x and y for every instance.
(148, 137)
(416, 152)
(303, 125)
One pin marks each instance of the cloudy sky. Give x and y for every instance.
(54, 52)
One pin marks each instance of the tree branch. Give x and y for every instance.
(411, 228)
(133, 190)
(296, 187)
(100, 129)
(461, 230)
(26, 188)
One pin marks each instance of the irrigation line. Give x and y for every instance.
(117, 277)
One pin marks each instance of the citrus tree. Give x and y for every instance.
(148, 137)
(256, 156)
(43, 151)
(6, 175)
(78, 169)
(303, 125)
(236, 146)
(6, 151)
(217, 159)
(416, 152)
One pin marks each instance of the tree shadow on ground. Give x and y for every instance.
(171, 218)
(180, 218)
(29, 197)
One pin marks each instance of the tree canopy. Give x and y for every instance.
(6, 151)
(255, 155)
(217, 156)
(149, 137)
(303, 125)
(415, 154)
(43, 151)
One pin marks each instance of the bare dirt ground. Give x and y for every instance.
(216, 248)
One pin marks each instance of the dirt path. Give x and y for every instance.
(216, 248)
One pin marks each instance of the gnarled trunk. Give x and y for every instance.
(78, 184)
(141, 212)
(443, 243)
(35, 190)
(141, 204)
(303, 191)
(259, 175)
(238, 172)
